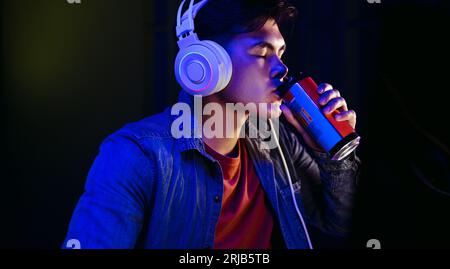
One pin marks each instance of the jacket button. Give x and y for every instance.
(216, 198)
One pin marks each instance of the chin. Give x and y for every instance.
(270, 110)
(275, 112)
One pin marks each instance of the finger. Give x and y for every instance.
(335, 104)
(349, 116)
(346, 115)
(323, 87)
(328, 95)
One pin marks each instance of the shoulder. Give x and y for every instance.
(145, 137)
(153, 126)
(132, 152)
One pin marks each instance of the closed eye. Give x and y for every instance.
(264, 49)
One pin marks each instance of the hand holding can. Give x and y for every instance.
(321, 116)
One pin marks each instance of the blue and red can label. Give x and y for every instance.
(336, 137)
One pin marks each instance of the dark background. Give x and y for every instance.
(73, 73)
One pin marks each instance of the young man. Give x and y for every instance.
(150, 189)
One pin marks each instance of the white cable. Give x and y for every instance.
(290, 184)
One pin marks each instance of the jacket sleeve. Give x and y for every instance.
(327, 188)
(110, 212)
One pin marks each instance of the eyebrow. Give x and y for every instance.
(265, 44)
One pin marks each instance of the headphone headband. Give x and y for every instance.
(185, 23)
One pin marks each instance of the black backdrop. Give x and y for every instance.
(74, 73)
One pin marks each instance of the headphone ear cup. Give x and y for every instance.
(203, 68)
(225, 66)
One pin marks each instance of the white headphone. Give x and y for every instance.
(202, 67)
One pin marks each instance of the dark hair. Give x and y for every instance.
(220, 20)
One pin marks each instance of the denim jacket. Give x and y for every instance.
(148, 189)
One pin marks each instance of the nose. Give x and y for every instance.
(279, 69)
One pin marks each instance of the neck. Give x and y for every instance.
(225, 135)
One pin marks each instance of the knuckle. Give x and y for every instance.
(327, 94)
(351, 113)
(325, 98)
(336, 93)
(326, 86)
(338, 101)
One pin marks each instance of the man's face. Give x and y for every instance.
(257, 68)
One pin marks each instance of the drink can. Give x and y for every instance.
(338, 138)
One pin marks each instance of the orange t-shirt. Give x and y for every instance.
(245, 220)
